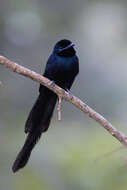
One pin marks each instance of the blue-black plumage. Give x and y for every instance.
(62, 68)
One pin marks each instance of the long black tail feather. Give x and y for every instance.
(25, 152)
(38, 122)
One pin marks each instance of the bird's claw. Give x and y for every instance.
(69, 92)
(53, 83)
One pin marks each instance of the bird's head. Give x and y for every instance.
(64, 48)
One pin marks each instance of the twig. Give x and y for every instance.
(59, 107)
(109, 153)
(60, 92)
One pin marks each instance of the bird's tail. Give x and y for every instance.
(38, 122)
(25, 152)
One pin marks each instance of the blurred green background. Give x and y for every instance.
(75, 153)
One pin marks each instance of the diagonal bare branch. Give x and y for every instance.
(63, 94)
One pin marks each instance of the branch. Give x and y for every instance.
(59, 107)
(65, 95)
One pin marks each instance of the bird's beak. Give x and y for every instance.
(70, 45)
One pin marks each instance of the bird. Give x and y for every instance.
(62, 67)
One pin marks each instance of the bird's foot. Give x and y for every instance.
(53, 83)
(69, 92)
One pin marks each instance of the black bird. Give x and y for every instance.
(62, 68)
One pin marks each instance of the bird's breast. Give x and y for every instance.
(65, 65)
